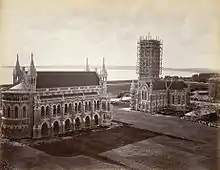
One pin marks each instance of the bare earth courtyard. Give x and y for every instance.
(141, 142)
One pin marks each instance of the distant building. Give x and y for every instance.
(45, 104)
(214, 89)
(151, 93)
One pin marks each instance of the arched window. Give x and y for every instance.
(79, 107)
(65, 108)
(98, 105)
(58, 109)
(16, 111)
(90, 106)
(42, 111)
(103, 105)
(95, 106)
(173, 99)
(179, 99)
(76, 107)
(70, 108)
(54, 110)
(86, 106)
(9, 111)
(4, 111)
(24, 111)
(47, 110)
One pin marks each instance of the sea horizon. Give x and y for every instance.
(6, 74)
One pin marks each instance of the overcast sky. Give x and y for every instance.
(66, 31)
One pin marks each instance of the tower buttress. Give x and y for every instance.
(104, 77)
(17, 73)
(132, 95)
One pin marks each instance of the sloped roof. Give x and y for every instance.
(175, 85)
(19, 86)
(53, 79)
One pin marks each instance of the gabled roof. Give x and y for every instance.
(53, 79)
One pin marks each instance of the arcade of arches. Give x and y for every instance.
(68, 125)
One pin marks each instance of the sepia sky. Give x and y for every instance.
(65, 32)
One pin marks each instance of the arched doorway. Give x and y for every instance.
(77, 123)
(67, 125)
(44, 130)
(87, 122)
(56, 128)
(96, 120)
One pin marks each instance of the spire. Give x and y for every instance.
(32, 71)
(104, 70)
(17, 66)
(87, 64)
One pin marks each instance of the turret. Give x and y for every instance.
(87, 65)
(104, 76)
(32, 75)
(17, 73)
(132, 95)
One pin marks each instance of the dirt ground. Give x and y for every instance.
(142, 141)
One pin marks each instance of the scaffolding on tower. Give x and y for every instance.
(149, 57)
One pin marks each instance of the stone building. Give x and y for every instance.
(152, 93)
(45, 104)
(214, 89)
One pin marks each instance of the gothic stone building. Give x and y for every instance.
(152, 93)
(45, 104)
(159, 94)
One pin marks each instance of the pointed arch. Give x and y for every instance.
(65, 108)
(56, 127)
(77, 123)
(47, 110)
(87, 122)
(42, 112)
(67, 125)
(76, 108)
(70, 108)
(44, 130)
(16, 111)
(24, 111)
(58, 109)
(79, 107)
(98, 105)
(54, 110)
(96, 120)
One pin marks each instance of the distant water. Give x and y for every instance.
(6, 74)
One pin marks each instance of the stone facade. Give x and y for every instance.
(32, 112)
(151, 93)
(145, 97)
(214, 89)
